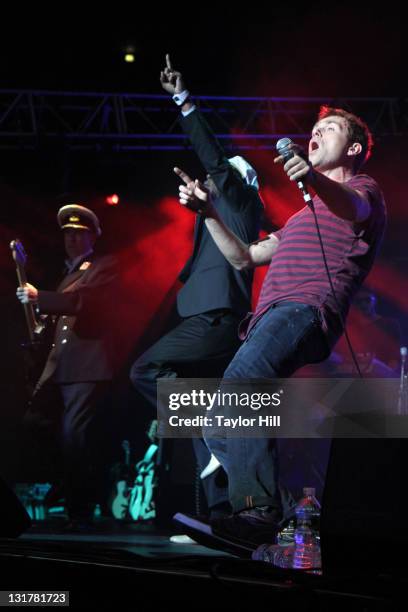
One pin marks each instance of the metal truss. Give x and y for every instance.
(131, 122)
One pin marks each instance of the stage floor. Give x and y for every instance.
(144, 539)
(136, 567)
(115, 565)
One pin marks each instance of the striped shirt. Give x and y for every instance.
(297, 272)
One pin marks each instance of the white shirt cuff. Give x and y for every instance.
(190, 110)
(181, 97)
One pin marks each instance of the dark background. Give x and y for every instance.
(315, 49)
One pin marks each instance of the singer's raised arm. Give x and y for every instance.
(329, 181)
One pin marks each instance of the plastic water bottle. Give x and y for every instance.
(97, 511)
(306, 553)
(266, 552)
(308, 508)
(280, 554)
(303, 551)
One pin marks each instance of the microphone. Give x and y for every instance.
(402, 398)
(283, 148)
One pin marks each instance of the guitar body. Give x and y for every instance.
(134, 489)
(141, 503)
(120, 503)
(123, 476)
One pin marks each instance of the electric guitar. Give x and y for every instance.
(40, 331)
(20, 259)
(141, 501)
(120, 501)
(133, 496)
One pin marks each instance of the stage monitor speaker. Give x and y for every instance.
(14, 519)
(363, 523)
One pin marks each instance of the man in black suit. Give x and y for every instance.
(214, 296)
(70, 397)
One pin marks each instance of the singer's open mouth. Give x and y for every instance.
(314, 145)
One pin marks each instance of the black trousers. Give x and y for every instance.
(68, 421)
(199, 346)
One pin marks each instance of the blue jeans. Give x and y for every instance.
(288, 336)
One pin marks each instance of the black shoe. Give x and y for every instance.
(219, 511)
(261, 515)
(250, 527)
(237, 535)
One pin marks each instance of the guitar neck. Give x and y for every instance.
(21, 274)
(28, 308)
(126, 448)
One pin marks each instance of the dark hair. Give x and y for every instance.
(358, 131)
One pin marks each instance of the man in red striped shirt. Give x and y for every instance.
(298, 319)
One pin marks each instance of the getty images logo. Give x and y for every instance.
(203, 399)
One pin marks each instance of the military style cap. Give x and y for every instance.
(78, 217)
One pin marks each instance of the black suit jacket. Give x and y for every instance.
(210, 281)
(85, 346)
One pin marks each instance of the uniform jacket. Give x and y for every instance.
(85, 346)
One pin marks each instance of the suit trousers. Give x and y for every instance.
(71, 417)
(199, 346)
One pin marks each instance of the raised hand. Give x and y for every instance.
(193, 194)
(297, 167)
(170, 79)
(189, 182)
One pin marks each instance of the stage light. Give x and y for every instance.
(129, 54)
(112, 200)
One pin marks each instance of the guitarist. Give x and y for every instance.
(81, 363)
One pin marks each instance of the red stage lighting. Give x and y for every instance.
(112, 200)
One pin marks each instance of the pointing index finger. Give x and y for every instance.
(184, 177)
(168, 62)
